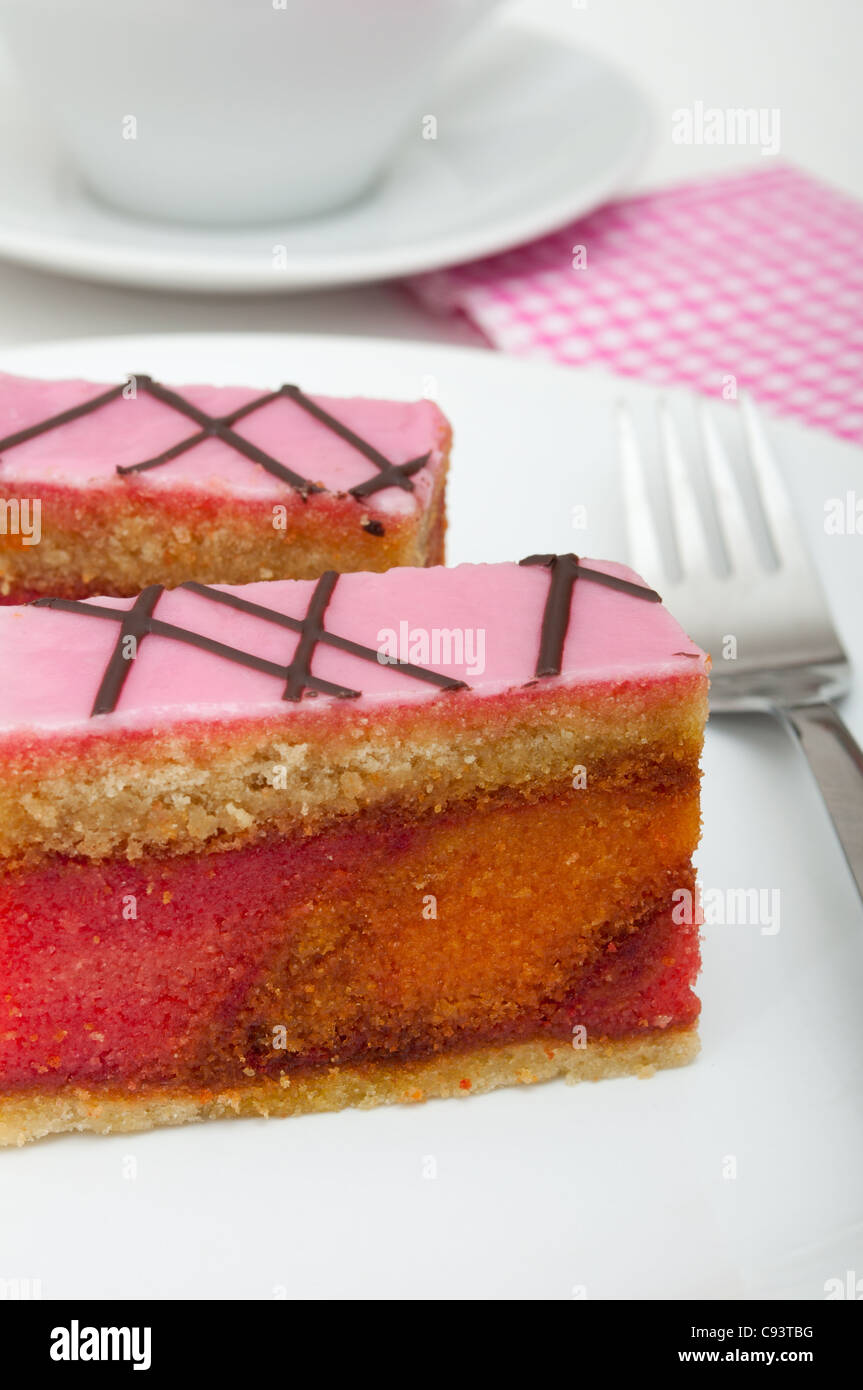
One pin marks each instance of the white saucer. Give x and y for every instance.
(530, 133)
(618, 1190)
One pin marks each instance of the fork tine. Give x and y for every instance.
(692, 544)
(735, 526)
(642, 540)
(785, 536)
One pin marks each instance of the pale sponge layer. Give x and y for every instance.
(215, 786)
(34, 1116)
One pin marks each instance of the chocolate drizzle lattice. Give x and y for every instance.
(565, 569)
(139, 622)
(221, 427)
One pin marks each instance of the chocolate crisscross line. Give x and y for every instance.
(221, 427)
(139, 622)
(565, 569)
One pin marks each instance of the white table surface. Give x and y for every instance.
(792, 54)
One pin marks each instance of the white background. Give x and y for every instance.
(799, 56)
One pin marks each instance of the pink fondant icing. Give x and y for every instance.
(86, 452)
(52, 661)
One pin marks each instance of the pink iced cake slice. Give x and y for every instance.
(298, 845)
(109, 488)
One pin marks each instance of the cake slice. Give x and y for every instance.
(295, 846)
(106, 489)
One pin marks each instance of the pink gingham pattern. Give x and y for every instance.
(758, 276)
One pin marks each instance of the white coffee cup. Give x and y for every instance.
(233, 111)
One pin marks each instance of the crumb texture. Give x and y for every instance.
(35, 1116)
(220, 786)
(380, 943)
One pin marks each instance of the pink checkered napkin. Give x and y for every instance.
(757, 276)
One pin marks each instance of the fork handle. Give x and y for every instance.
(837, 761)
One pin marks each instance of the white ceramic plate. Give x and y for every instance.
(616, 1189)
(530, 133)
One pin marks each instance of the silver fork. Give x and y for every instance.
(788, 658)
